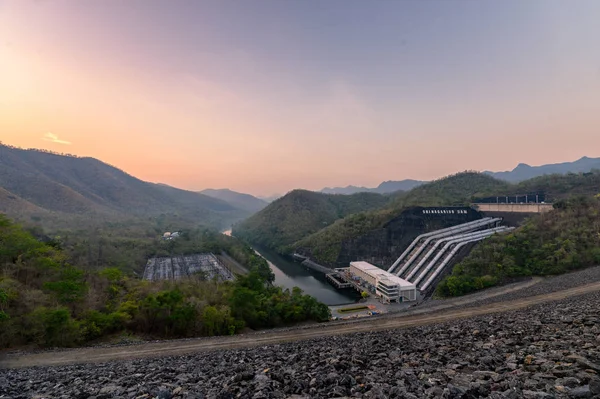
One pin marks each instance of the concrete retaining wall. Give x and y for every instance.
(517, 208)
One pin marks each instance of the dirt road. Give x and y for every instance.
(170, 348)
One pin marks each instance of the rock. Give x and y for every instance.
(453, 391)
(164, 394)
(581, 392)
(585, 363)
(109, 389)
(512, 366)
(348, 381)
(570, 382)
(529, 353)
(510, 394)
(595, 386)
(536, 395)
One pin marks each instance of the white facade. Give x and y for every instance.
(389, 287)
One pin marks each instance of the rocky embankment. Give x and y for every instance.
(545, 351)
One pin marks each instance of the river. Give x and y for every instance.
(291, 274)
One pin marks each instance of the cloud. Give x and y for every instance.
(53, 138)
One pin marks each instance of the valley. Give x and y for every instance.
(221, 285)
(289, 274)
(299, 199)
(63, 191)
(82, 282)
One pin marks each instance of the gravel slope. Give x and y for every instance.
(548, 350)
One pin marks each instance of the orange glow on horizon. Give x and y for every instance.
(85, 92)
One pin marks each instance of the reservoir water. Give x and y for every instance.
(291, 274)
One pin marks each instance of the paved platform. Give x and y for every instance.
(374, 303)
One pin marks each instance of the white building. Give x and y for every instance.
(389, 287)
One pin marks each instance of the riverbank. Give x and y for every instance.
(316, 267)
(309, 277)
(289, 274)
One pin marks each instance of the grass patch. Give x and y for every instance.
(353, 309)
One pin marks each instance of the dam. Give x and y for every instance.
(513, 208)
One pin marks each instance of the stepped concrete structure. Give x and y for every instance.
(426, 258)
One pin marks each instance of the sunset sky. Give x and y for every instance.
(266, 96)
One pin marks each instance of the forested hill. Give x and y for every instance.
(452, 190)
(563, 240)
(459, 189)
(38, 184)
(300, 213)
(523, 171)
(47, 301)
(561, 186)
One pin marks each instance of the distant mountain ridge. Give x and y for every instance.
(520, 173)
(39, 183)
(523, 171)
(269, 198)
(386, 187)
(239, 200)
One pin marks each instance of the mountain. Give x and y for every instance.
(38, 183)
(386, 187)
(348, 190)
(246, 202)
(520, 173)
(326, 245)
(524, 171)
(270, 198)
(391, 186)
(300, 213)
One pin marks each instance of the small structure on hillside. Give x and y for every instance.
(171, 236)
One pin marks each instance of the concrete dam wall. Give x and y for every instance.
(383, 246)
(514, 208)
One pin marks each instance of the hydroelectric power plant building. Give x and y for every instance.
(387, 286)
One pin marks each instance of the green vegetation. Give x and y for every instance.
(325, 245)
(563, 240)
(47, 301)
(559, 187)
(300, 213)
(128, 246)
(458, 189)
(353, 309)
(63, 190)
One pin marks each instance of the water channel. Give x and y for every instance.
(291, 274)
